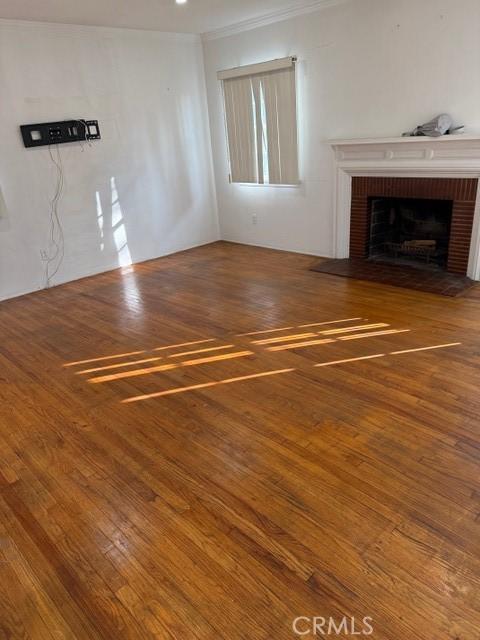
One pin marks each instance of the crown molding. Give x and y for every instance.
(308, 6)
(61, 28)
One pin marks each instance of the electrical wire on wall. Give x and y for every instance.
(84, 125)
(55, 253)
(52, 134)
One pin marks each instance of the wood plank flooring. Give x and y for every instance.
(213, 444)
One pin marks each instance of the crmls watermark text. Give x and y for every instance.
(318, 626)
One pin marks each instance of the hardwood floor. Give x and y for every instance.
(215, 443)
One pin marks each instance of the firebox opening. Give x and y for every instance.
(410, 231)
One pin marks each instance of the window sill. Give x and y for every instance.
(275, 186)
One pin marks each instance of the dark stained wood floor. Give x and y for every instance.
(139, 499)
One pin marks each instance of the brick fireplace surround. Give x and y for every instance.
(461, 191)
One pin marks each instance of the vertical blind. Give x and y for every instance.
(261, 122)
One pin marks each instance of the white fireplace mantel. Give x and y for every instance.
(444, 157)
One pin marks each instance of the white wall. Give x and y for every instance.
(367, 68)
(145, 190)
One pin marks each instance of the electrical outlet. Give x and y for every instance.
(254, 218)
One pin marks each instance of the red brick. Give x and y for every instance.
(461, 191)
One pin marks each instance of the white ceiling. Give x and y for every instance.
(197, 16)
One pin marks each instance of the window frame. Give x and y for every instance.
(252, 71)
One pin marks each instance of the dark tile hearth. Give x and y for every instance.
(441, 282)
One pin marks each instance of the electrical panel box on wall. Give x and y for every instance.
(39, 135)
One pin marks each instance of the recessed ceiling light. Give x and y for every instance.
(181, 1)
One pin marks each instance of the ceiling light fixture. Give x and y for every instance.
(181, 1)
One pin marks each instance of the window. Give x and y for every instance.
(261, 122)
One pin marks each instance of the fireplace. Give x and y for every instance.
(410, 231)
(426, 222)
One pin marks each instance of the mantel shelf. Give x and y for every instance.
(405, 139)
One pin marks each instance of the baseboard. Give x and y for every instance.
(274, 248)
(95, 271)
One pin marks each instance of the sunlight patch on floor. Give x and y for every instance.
(288, 342)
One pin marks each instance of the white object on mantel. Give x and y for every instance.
(455, 156)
